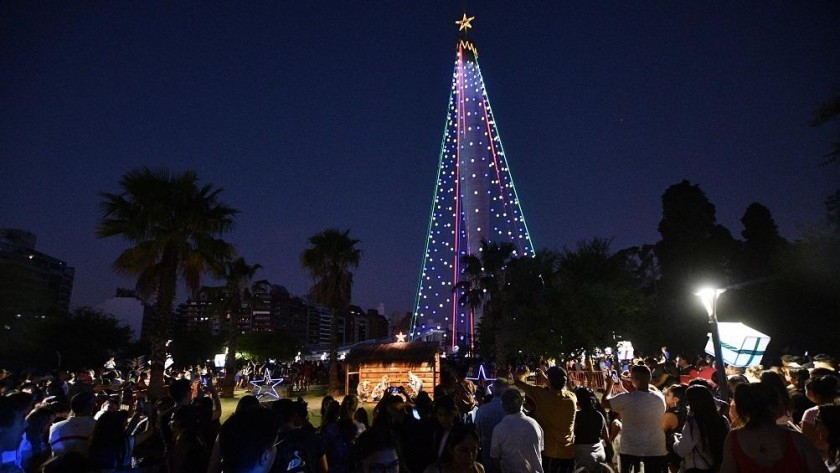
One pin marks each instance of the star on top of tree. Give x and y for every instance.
(400, 337)
(464, 23)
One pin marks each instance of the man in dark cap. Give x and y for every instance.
(555, 412)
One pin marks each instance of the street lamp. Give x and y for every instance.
(710, 296)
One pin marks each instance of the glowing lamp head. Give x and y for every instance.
(709, 295)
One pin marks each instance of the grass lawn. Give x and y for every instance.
(313, 401)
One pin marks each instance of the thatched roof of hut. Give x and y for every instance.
(410, 353)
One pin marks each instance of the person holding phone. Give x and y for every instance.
(555, 413)
(642, 413)
(114, 437)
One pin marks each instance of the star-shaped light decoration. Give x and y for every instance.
(464, 23)
(400, 337)
(482, 378)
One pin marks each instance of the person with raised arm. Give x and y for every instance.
(555, 413)
(642, 413)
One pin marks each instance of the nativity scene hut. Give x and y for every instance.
(375, 369)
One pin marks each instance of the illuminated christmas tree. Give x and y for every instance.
(474, 200)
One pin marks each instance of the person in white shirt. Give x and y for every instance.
(487, 418)
(112, 404)
(73, 434)
(642, 411)
(517, 440)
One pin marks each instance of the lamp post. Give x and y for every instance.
(710, 296)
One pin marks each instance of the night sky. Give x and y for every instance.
(314, 114)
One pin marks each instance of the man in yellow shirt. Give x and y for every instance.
(555, 412)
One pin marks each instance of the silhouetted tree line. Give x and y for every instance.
(85, 338)
(589, 296)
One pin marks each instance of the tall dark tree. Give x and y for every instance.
(482, 284)
(261, 346)
(693, 246)
(694, 250)
(174, 227)
(329, 260)
(524, 292)
(762, 242)
(644, 265)
(88, 337)
(194, 345)
(586, 293)
(526, 277)
(233, 302)
(84, 338)
(808, 305)
(600, 291)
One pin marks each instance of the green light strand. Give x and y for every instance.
(431, 219)
(504, 156)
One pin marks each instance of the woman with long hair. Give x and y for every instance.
(447, 417)
(761, 445)
(190, 451)
(114, 438)
(109, 446)
(326, 402)
(337, 438)
(330, 417)
(461, 452)
(820, 391)
(701, 443)
(591, 435)
(784, 405)
(361, 416)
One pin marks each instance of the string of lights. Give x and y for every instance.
(474, 200)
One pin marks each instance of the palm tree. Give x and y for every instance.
(329, 259)
(473, 289)
(232, 302)
(482, 286)
(174, 226)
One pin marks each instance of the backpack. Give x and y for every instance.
(293, 454)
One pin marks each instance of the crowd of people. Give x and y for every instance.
(655, 415)
(297, 375)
